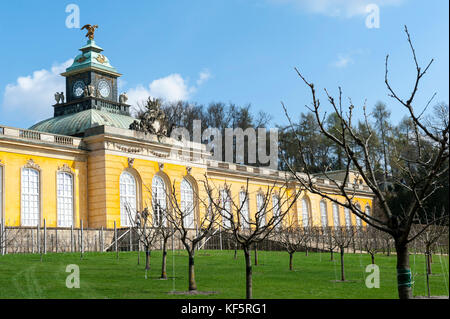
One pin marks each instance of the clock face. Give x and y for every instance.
(78, 88)
(104, 88)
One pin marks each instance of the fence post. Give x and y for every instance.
(102, 247)
(81, 244)
(131, 243)
(115, 239)
(32, 240)
(220, 237)
(38, 238)
(71, 238)
(45, 237)
(56, 239)
(2, 237)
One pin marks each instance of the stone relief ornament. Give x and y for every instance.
(32, 164)
(153, 121)
(65, 168)
(130, 162)
(59, 97)
(188, 170)
(161, 166)
(128, 149)
(123, 98)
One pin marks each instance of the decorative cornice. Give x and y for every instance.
(129, 149)
(65, 168)
(32, 164)
(159, 154)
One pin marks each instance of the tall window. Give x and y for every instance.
(30, 201)
(276, 210)
(358, 219)
(226, 212)
(323, 213)
(187, 203)
(305, 212)
(159, 201)
(245, 212)
(261, 209)
(1, 193)
(336, 222)
(65, 199)
(348, 221)
(128, 198)
(367, 210)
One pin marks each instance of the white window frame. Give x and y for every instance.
(357, 218)
(323, 213)
(305, 212)
(64, 199)
(187, 203)
(30, 200)
(348, 218)
(276, 210)
(225, 198)
(245, 211)
(159, 200)
(262, 213)
(128, 197)
(336, 217)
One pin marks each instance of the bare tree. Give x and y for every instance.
(342, 237)
(249, 231)
(191, 226)
(431, 159)
(430, 236)
(142, 223)
(292, 237)
(371, 242)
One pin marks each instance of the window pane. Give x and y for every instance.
(30, 197)
(65, 199)
(187, 203)
(127, 198)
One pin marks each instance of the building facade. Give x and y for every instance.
(85, 164)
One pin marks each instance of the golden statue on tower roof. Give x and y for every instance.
(91, 30)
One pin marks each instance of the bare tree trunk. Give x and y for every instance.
(373, 258)
(428, 264)
(290, 260)
(192, 284)
(403, 271)
(164, 259)
(332, 256)
(248, 274)
(235, 250)
(256, 255)
(342, 265)
(147, 258)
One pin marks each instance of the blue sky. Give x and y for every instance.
(240, 51)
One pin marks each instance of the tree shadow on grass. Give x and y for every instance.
(193, 293)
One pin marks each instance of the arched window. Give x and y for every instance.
(305, 212)
(128, 198)
(323, 213)
(348, 220)
(336, 221)
(30, 201)
(226, 212)
(64, 191)
(159, 201)
(187, 203)
(245, 212)
(261, 209)
(358, 219)
(276, 210)
(1, 193)
(367, 210)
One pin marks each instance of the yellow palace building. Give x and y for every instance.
(85, 163)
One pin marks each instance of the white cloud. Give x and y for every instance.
(170, 88)
(32, 96)
(342, 61)
(342, 8)
(204, 76)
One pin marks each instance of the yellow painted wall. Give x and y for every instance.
(13, 163)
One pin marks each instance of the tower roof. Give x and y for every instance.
(91, 58)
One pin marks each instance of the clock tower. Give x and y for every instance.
(91, 83)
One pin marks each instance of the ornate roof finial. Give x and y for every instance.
(90, 30)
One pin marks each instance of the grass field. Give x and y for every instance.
(314, 276)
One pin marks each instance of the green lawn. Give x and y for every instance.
(103, 276)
